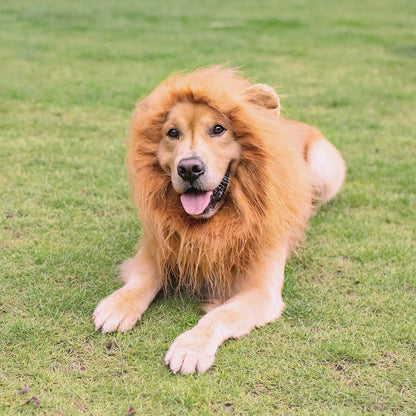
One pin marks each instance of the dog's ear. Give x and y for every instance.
(264, 96)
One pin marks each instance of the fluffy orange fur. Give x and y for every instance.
(234, 251)
(269, 199)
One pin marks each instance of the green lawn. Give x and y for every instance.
(70, 73)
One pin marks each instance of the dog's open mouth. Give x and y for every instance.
(197, 202)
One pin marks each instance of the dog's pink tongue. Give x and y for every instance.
(196, 203)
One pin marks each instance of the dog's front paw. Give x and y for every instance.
(121, 310)
(192, 351)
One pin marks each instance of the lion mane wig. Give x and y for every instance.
(268, 201)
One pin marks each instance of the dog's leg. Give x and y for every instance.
(123, 308)
(258, 301)
(327, 169)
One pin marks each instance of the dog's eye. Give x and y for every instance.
(218, 129)
(173, 133)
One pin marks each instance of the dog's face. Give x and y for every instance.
(199, 152)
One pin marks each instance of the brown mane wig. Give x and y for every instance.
(268, 201)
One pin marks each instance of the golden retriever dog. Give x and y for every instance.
(224, 189)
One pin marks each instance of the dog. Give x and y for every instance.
(224, 188)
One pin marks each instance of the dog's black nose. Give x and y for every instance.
(191, 169)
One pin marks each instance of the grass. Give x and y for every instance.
(70, 74)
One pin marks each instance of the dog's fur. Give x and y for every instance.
(233, 252)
